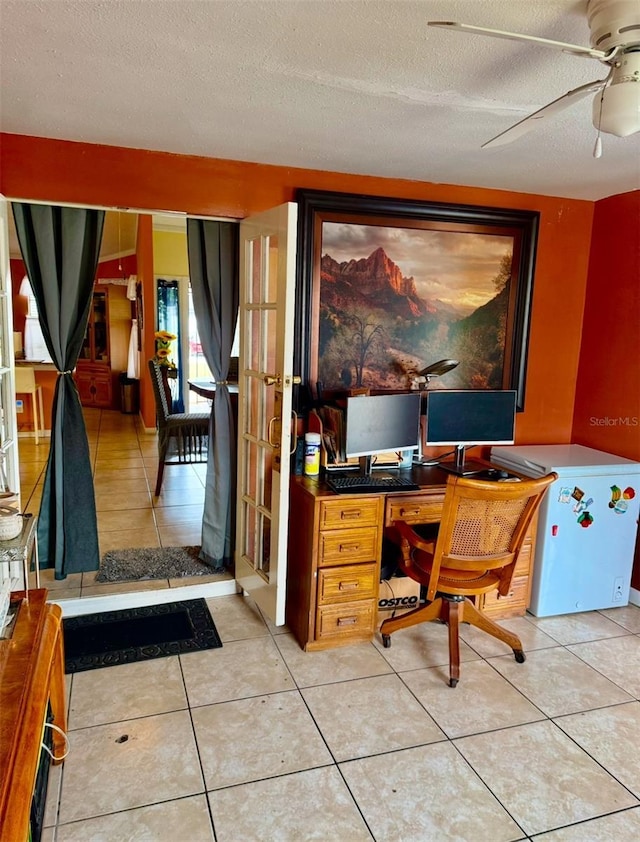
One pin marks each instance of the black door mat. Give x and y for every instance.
(138, 634)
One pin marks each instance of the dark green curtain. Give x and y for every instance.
(213, 269)
(60, 248)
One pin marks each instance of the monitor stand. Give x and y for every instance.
(365, 466)
(462, 467)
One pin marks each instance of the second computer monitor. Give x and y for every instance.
(469, 417)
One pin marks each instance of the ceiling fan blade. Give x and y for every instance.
(528, 123)
(586, 52)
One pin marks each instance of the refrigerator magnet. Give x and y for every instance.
(577, 493)
(565, 495)
(616, 494)
(582, 505)
(585, 520)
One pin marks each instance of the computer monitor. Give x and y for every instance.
(381, 424)
(465, 418)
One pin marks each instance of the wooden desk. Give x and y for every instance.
(31, 677)
(334, 556)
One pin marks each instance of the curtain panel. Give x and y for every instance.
(60, 248)
(213, 268)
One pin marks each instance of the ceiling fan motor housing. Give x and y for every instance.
(613, 23)
(616, 23)
(617, 109)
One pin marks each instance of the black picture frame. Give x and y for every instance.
(317, 207)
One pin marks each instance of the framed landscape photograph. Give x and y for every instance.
(387, 287)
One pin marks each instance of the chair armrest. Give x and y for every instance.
(417, 541)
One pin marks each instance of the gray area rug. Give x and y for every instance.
(151, 563)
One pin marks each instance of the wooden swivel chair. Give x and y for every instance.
(481, 533)
(190, 430)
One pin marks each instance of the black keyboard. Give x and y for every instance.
(370, 484)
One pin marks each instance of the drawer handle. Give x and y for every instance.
(349, 548)
(410, 512)
(351, 515)
(348, 586)
(347, 621)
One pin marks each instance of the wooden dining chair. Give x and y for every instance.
(481, 533)
(188, 430)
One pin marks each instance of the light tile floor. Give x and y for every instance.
(125, 462)
(262, 741)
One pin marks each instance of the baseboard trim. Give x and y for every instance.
(139, 599)
(634, 597)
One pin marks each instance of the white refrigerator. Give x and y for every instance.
(586, 527)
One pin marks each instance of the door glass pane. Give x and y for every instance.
(266, 482)
(255, 266)
(252, 471)
(269, 350)
(250, 533)
(266, 545)
(252, 415)
(253, 340)
(271, 281)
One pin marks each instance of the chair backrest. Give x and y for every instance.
(25, 379)
(159, 392)
(232, 377)
(483, 526)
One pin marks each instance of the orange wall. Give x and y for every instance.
(61, 171)
(20, 303)
(607, 408)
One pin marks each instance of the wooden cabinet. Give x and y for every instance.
(334, 557)
(31, 681)
(333, 567)
(93, 371)
(94, 385)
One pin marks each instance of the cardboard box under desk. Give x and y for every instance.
(397, 596)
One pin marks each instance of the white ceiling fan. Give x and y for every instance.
(615, 41)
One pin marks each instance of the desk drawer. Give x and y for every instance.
(345, 584)
(346, 512)
(354, 619)
(414, 508)
(345, 546)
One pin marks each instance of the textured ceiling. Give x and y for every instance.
(346, 85)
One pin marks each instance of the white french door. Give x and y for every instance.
(267, 303)
(9, 469)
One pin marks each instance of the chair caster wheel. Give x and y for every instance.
(386, 640)
(519, 656)
(453, 682)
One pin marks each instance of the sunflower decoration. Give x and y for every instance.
(163, 348)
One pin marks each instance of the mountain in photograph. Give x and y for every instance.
(375, 329)
(373, 282)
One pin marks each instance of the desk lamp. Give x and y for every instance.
(434, 370)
